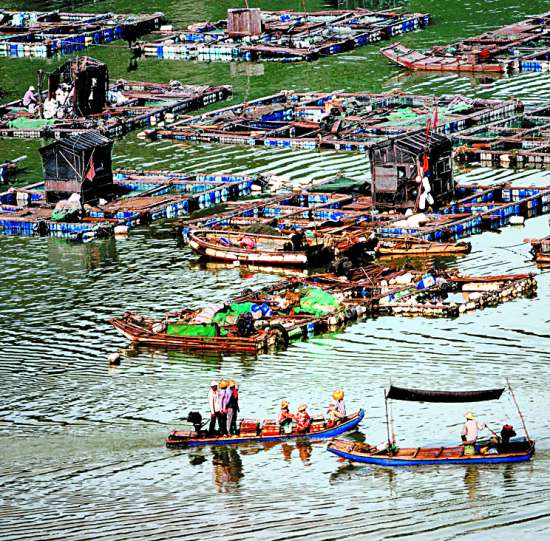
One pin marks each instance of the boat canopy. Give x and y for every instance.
(419, 395)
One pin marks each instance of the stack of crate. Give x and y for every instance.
(249, 427)
(317, 424)
(271, 428)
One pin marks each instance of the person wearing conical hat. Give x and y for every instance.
(285, 417)
(302, 418)
(339, 411)
(224, 394)
(470, 431)
(232, 406)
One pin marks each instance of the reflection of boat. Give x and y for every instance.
(419, 247)
(467, 453)
(253, 248)
(189, 439)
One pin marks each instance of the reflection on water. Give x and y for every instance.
(303, 448)
(227, 468)
(471, 480)
(67, 256)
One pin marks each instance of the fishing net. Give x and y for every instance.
(192, 330)
(317, 302)
(28, 123)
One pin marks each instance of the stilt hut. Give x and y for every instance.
(412, 171)
(78, 164)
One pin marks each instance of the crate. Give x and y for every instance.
(317, 426)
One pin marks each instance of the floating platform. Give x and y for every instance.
(145, 104)
(44, 34)
(284, 36)
(143, 198)
(519, 47)
(340, 120)
(540, 248)
(296, 309)
(522, 142)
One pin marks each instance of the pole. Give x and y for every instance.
(519, 411)
(39, 75)
(387, 417)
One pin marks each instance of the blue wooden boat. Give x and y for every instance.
(191, 439)
(517, 451)
(501, 450)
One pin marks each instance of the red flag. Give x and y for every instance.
(435, 119)
(91, 169)
(425, 164)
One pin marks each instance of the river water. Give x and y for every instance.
(82, 444)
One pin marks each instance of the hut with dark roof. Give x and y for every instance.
(79, 164)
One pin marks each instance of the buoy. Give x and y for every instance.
(114, 358)
(517, 220)
(121, 230)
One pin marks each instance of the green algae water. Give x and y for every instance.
(82, 444)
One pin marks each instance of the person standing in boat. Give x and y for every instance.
(224, 394)
(232, 407)
(214, 404)
(470, 431)
(302, 418)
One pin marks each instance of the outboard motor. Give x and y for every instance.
(195, 418)
(506, 433)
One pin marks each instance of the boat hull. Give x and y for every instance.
(393, 461)
(348, 425)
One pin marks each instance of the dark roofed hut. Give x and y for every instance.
(394, 168)
(79, 164)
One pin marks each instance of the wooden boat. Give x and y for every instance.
(143, 330)
(257, 249)
(400, 246)
(540, 248)
(190, 439)
(391, 455)
(417, 60)
(430, 456)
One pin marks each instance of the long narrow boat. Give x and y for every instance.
(468, 453)
(252, 248)
(429, 456)
(419, 247)
(187, 439)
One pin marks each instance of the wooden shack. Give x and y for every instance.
(406, 168)
(78, 164)
(244, 22)
(87, 83)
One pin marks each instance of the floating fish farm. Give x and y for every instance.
(252, 34)
(519, 47)
(31, 34)
(142, 198)
(521, 142)
(115, 109)
(341, 121)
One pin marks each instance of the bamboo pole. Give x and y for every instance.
(387, 417)
(519, 411)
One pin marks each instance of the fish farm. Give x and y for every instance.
(115, 109)
(340, 121)
(519, 47)
(44, 34)
(284, 36)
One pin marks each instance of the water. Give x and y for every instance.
(82, 443)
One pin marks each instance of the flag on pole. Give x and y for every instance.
(91, 169)
(435, 118)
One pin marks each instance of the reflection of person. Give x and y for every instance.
(304, 451)
(227, 468)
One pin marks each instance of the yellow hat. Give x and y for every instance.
(223, 384)
(284, 404)
(231, 383)
(302, 407)
(470, 416)
(338, 394)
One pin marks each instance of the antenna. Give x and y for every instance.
(519, 411)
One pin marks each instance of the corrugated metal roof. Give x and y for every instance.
(79, 142)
